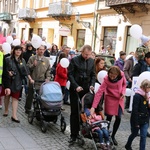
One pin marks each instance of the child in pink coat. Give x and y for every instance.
(113, 86)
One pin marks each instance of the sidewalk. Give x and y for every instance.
(24, 136)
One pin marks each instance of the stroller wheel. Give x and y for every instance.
(30, 117)
(63, 126)
(43, 126)
(55, 120)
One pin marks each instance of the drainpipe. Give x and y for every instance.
(95, 25)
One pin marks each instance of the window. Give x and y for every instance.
(64, 40)
(30, 33)
(40, 32)
(131, 43)
(80, 38)
(4, 33)
(110, 34)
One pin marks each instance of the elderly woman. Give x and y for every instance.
(15, 73)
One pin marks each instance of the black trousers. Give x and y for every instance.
(75, 111)
(29, 99)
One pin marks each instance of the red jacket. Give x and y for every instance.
(61, 75)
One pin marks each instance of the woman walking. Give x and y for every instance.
(113, 86)
(15, 73)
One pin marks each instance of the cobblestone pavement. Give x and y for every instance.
(54, 139)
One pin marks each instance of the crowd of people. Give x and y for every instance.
(26, 65)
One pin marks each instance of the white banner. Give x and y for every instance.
(133, 88)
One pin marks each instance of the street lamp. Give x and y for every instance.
(84, 23)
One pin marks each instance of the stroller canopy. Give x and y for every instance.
(51, 91)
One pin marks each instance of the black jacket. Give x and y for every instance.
(14, 82)
(140, 114)
(139, 68)
(28, 54)
(81, 72)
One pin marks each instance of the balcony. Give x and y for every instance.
(27, 14)
(132, 6)
(60, 10)
(5, 17)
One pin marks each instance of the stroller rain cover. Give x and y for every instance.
(51, 91)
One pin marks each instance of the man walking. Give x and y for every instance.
(39, 67)
(81, 75)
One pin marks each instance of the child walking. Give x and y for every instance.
(140, 116)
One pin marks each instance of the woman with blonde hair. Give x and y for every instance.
(140, 115)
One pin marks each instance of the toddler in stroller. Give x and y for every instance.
(99, 127)
(94, 126)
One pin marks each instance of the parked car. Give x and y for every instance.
(109, 60)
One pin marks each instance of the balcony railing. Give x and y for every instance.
(5, 17)
(60, 10)
(121, 2)
(27, 14)
(120, 6)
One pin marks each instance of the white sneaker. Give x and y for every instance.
(1, 106)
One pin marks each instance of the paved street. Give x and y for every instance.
(24, 136)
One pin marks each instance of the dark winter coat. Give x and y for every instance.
(14, 82)
(140, 114)
(81, 72)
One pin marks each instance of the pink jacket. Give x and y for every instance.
(113, 93)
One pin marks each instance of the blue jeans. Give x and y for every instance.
(102, 133)
(143, 133)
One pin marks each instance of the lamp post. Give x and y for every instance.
(84, 23)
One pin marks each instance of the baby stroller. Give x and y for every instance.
(87, 128)
(47, 105)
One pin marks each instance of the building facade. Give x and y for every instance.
(8, 16)
(114, 19)
(61, 22)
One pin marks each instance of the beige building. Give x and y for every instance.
(61, 22)
(77, 22)
(8, 16)
(114, 19)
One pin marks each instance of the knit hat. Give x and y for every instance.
(87, 112)
(144, 39)
(72, 52)
(140, 53)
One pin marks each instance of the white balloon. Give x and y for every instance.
(6, 47)
(101, 76)
(136, 31)
(64, 62)
(16, 42)
(44, 43)
(144, 75)
(128, 92)
(9, 39)
(48, 45)
(36, 41)
(97, 85)
(68, 85)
